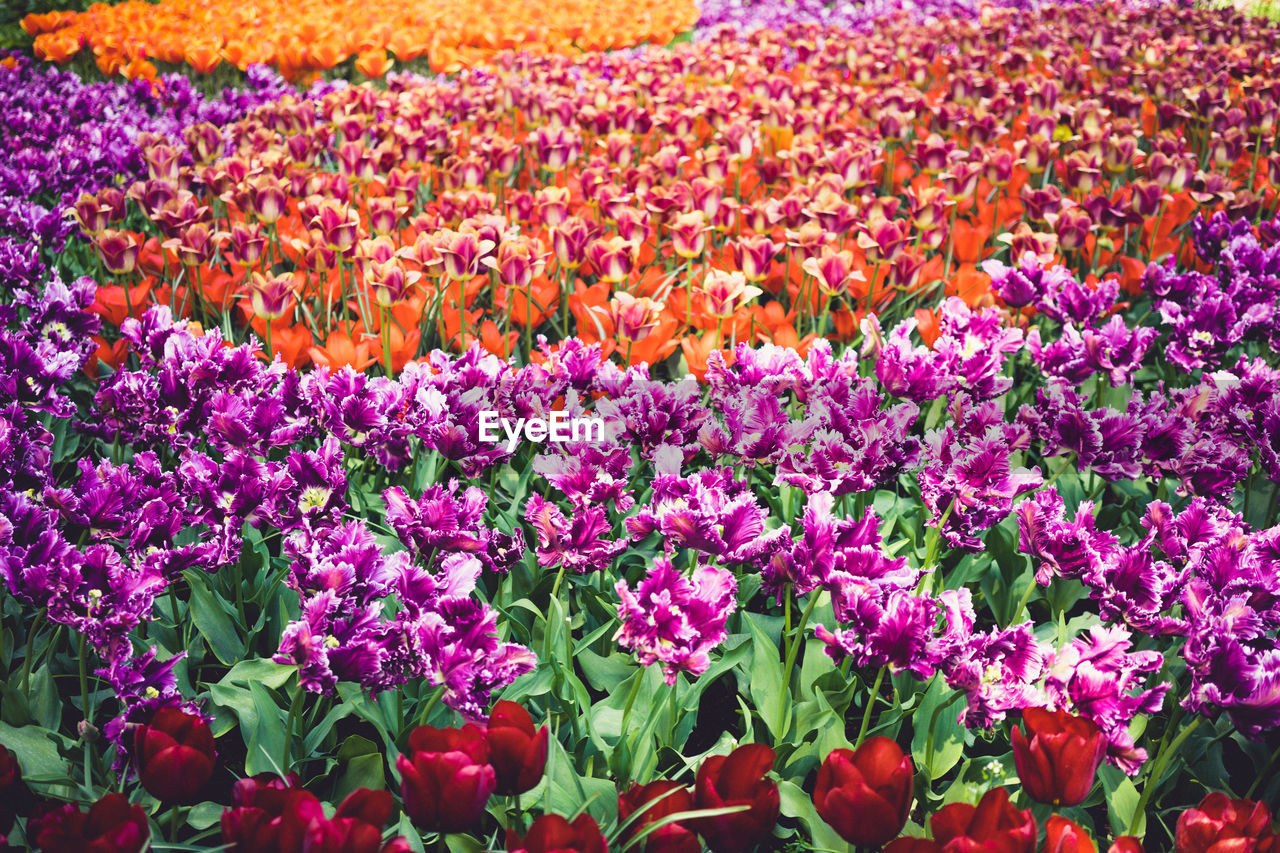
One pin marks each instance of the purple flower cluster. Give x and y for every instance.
(1200, 573)
(1210, 314)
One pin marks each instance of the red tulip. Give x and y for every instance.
(1223, 825)
(272, 816)
(1058, 757)
(1063, 836)
(14, 795)
(517, 751)
(446, 777)
(1126, 844)
(734, 780)
(175, 755)
(671, 838)
(553, 834)
(865, 793)
(268, 815)
(993, 824)
(111, 826)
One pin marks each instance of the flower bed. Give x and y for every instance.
(670, 204)
(303, 38)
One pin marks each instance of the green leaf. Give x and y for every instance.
(213, 622)
(266, 746)
(767, 690)
(37, 752)
(204, 815)
(797, 804)
(261, 670)
(940, 708)
(1122, 802)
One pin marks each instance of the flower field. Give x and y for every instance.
(647, 427)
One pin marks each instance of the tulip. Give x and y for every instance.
(1058, 756)
(833, 271)
(174, 754)
(118, 250)
(634, 318)
(14, 796)
(446, 777)
(111, 826)
(993, 824)
(612, 257)
(723, 293)
(270, 298)
(656, 801)
(1063, 836)
(553, 834)
(865, 794)
(569, 241)
(1223, 825)
(689, 234)
(517, 751)
(734, 780)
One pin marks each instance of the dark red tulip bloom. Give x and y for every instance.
(1126, 844)
(675, 837)
(908, 844)
(268, 816)
(517, 750)
(1223, 825)
(735, 780)
(175, 755)
(1058, 757)
(993, 824)
(14, 796)
(1063, 836)
(110, 826)
(865, 793)
(446, 778)
(553, 834)
(271, 816)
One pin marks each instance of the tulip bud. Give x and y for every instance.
(735, 780)
(612, 257)
(865, 794)
(517, 751)
(174, 755)
(446, 778)
(118, 250)
(553, 834)
(670, 838)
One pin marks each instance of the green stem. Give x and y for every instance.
(386, 342)
(871, 702)
(36, 625)
(793, 650)
(430, 706)
(295, 708)
(1157, 771)
(631, 700)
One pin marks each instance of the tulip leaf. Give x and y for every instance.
(938, 713)
(214, 623)
(766, 687)
(267, 742)
(797, 804)
(37, 752)
(204, 815)
(1122, 802)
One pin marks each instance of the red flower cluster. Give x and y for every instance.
(448, 775)
(271, 815)
(738, 779)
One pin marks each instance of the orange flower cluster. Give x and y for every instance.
(674, 203)
(316, 35)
